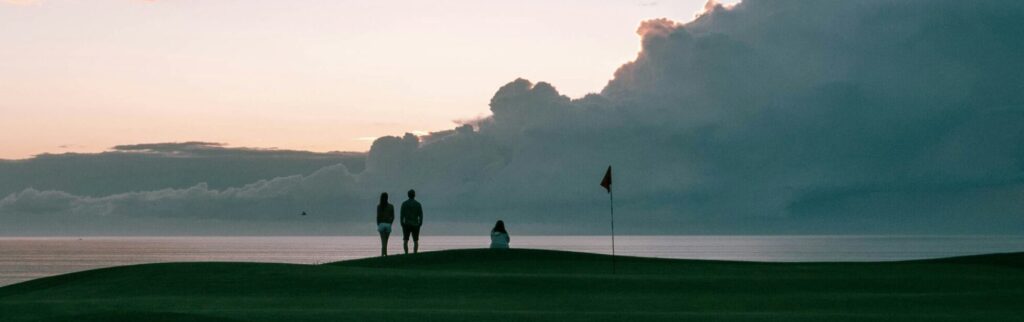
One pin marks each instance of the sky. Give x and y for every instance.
(765, 117)
(84, 76)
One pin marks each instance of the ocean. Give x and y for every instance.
(25, 258)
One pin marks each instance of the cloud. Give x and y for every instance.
(170, 146)
(261, 199)
(271, 203)
(158, 166)
(763, 117)
(197, 149)
(656, 27)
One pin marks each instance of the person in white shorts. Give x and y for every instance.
(385, 217)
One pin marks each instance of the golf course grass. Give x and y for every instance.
(530, 285)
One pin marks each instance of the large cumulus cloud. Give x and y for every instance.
(766, 117)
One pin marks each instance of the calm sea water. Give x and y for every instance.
(23, 259)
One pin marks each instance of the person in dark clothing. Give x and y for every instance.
(385, 217)
(412, 219)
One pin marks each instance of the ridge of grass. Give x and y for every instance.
(529, 285)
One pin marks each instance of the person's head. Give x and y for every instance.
(383, 198)
(499, 227)
(412, 194)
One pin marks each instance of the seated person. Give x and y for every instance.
(499, 236)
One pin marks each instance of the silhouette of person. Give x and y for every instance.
(499, 236)
(412, 219)
(385, 217)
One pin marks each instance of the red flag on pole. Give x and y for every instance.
(607, 181)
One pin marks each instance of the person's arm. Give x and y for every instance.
(419, 211)
(401, 214)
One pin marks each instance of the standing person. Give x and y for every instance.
(412, 219)
(499, 236)
(385, 217)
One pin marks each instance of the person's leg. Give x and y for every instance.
(384, 243)
(405, 238)
(416, 240)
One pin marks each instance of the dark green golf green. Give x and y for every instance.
(530, 285)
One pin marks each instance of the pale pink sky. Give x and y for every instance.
(325, 75)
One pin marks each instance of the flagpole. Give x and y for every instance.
(611, 208)
(606, 182)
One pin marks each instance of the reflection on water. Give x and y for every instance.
(28, 258)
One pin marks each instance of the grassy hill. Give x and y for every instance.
(529, 285)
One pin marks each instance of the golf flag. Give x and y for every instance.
(607, 181)
(607, 184)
